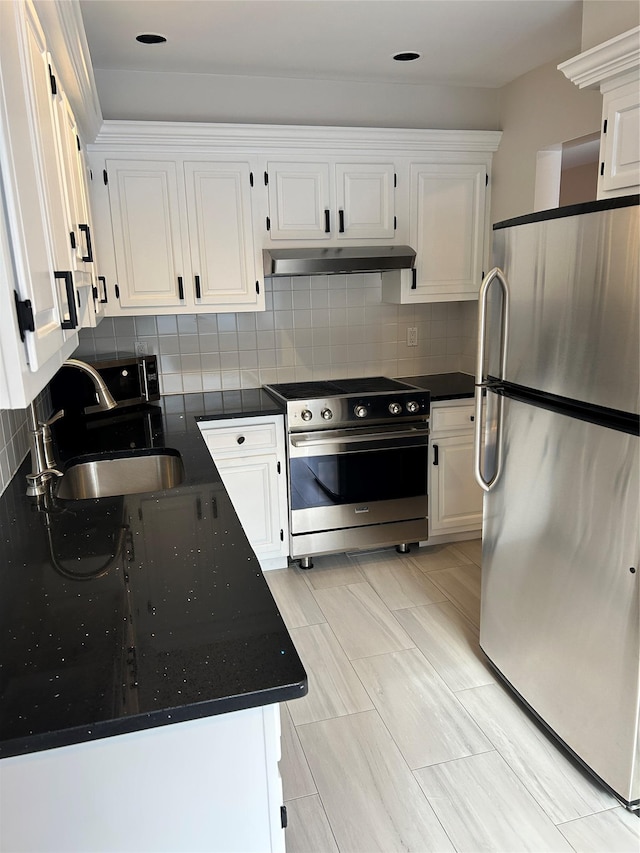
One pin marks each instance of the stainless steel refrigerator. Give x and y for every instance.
(557, 452)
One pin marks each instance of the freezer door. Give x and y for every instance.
(574, 306)
(560, 599)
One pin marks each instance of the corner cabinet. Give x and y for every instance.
(250, 456)
(182, 233)
(455, 499)
(448, 213)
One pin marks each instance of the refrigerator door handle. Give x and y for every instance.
(495, 274)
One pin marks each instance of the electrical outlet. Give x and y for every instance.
(141, 348)
(412, 336)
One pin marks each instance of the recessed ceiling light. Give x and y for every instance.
(150, 38)
(406, 56)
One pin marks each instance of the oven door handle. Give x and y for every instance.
(374, 439)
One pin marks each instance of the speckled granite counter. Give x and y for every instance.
(125, 613)
(444, 386)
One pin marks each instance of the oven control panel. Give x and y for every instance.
(350, 410)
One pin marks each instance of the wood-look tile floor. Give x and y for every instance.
(406, 740)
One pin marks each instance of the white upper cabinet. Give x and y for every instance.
(300, 201)
(147, 233)
(330, 201)
(182, 233)
(366, 201)
(37, 299)
(221, 240)
(620, 146)
(448, 228)
(614, 68)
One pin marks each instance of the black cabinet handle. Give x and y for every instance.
(198, 292)
(435, 454)
(241, 439)
(67, 277)
(472, 418)
(414, 279)
(327, 221)
(104, 288)
(117, 290)
(341, 221)
(180, 288)
(87, 234)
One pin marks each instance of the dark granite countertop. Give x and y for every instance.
(444, 386)
(124, 613)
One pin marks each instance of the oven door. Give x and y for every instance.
(355, 477)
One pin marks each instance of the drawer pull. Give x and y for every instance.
(240, 439)
(435, 455)
(472, 418)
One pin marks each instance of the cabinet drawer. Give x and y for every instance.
(452, 418)
(242, 437)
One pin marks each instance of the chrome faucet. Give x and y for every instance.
(43, 463)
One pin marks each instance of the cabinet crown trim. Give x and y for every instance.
(604, 62)
(254, 138)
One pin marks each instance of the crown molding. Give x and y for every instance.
(252, 138)
(606, 62)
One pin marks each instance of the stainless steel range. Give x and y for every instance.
(357, 464)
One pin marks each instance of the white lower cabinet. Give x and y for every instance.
(250, 456)
(210, 784)
(455, 499)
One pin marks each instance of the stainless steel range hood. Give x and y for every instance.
(337, 259)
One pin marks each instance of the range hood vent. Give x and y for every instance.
(329, 261)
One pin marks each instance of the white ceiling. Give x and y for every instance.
(479, 43)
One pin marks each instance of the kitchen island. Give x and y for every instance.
(142, 658)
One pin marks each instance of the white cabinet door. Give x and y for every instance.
(147, 235)
(455, 499)
(34, 244)
(620, 154)
(365, 201)
(250, 456)
(252, 483)
(223, 256)
(300, 201)
(447, 230)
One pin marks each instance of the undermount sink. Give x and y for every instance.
(126, 472)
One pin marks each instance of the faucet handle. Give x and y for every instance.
(59, 414)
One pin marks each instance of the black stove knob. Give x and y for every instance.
(360, 411)
(412, 407)
(306, 415)
(395, 408)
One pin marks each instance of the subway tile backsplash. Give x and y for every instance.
(14, 443)
(314, 327)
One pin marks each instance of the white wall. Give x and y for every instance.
(266, 100)
(538, 110)
(604, 19)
